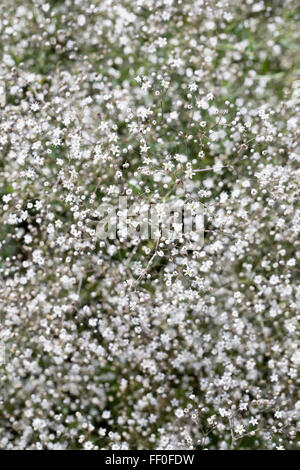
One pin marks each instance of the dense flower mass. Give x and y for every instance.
(132, 342)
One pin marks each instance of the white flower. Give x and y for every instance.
(179, 413)
(240, 429)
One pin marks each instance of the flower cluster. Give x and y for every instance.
(131, 343)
